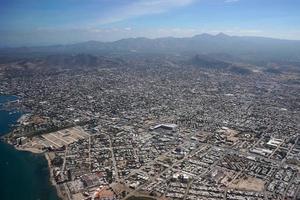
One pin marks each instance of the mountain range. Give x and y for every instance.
(228, 47)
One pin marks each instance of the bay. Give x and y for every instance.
(23, 175)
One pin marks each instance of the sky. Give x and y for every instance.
(47, 22)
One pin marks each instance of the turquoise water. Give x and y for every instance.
(23, 175)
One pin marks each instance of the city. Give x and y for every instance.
(159, 128)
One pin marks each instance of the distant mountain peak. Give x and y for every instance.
(203, 35)
(242, 47)
(221, 34)
(207, 35)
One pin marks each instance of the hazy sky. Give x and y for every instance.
(43, 22)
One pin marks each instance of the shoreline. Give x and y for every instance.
(46, 156)
(4, 138)
(27, 149)
(51, 177)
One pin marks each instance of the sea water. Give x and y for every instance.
(23, 175)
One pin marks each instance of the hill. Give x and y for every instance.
(253, 49)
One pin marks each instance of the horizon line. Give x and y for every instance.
(149, 38)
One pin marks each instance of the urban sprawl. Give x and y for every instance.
(158, 129)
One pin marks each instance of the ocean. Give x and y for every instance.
(23, 175)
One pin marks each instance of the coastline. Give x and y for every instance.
(52, 180)
(27, 149)
(46, 155)
(6, 129)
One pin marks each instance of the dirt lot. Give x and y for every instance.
(248, 183)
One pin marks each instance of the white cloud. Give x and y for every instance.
(141, 8)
